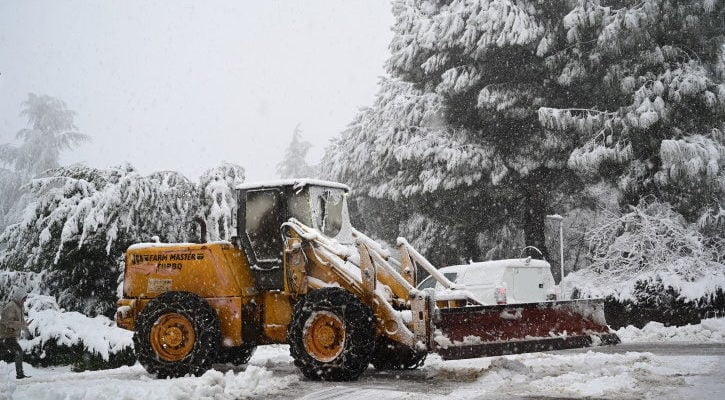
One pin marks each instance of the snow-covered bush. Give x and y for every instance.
(653, 301)
(70, 338)
(650, 242)
(651, 265)
(79, 226)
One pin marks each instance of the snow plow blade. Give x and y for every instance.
(485, 331)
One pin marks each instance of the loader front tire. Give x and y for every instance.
(177, 334)
(331, 335)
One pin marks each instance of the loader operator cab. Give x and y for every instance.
(264, 207)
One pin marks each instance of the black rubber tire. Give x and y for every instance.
(391, 355)
(206, 330)
(359, 335)
(238, 355)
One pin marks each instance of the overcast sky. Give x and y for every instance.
(177, 85)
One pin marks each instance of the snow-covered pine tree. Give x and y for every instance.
(645, 91)
(50, 131)
(82, 221)
(530, 100)
(646, 88)
(382, 156)
(294, 164)
(84, 218)
(457, 125)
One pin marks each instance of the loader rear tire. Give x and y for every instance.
(177, 334)
(331, 335)
(238, 355)
(390, 355)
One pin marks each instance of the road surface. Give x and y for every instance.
(631, 371)
(681, 371)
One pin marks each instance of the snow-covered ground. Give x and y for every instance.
(708, 331)
(569, 374)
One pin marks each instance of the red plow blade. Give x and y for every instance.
(484, 331)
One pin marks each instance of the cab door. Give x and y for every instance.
(262, 217)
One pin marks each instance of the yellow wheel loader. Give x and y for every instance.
(299, 273)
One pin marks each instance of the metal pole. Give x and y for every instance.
(561, 255)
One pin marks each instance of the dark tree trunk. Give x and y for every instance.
(534, 210)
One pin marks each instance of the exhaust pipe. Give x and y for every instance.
(202, 228)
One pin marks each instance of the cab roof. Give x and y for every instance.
(295, 183)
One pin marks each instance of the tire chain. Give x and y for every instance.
(206, 329)
(359, 335)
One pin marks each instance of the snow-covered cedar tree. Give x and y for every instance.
(294, 164)
(499, 112)
(50, 131)
(382, 158)
(218, 200)
(652, 244)
(83, 220)
(645, 100)
(456, 126)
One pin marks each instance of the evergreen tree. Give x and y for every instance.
(461, 111)
(84, 218)
(645, 85)
(50, 131)
(294, 163)
(499, 112)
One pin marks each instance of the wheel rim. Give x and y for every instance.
(324, 336)
(172, 337)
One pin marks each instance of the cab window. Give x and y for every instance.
(262, 223)
(298, 205)
(327, 207)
